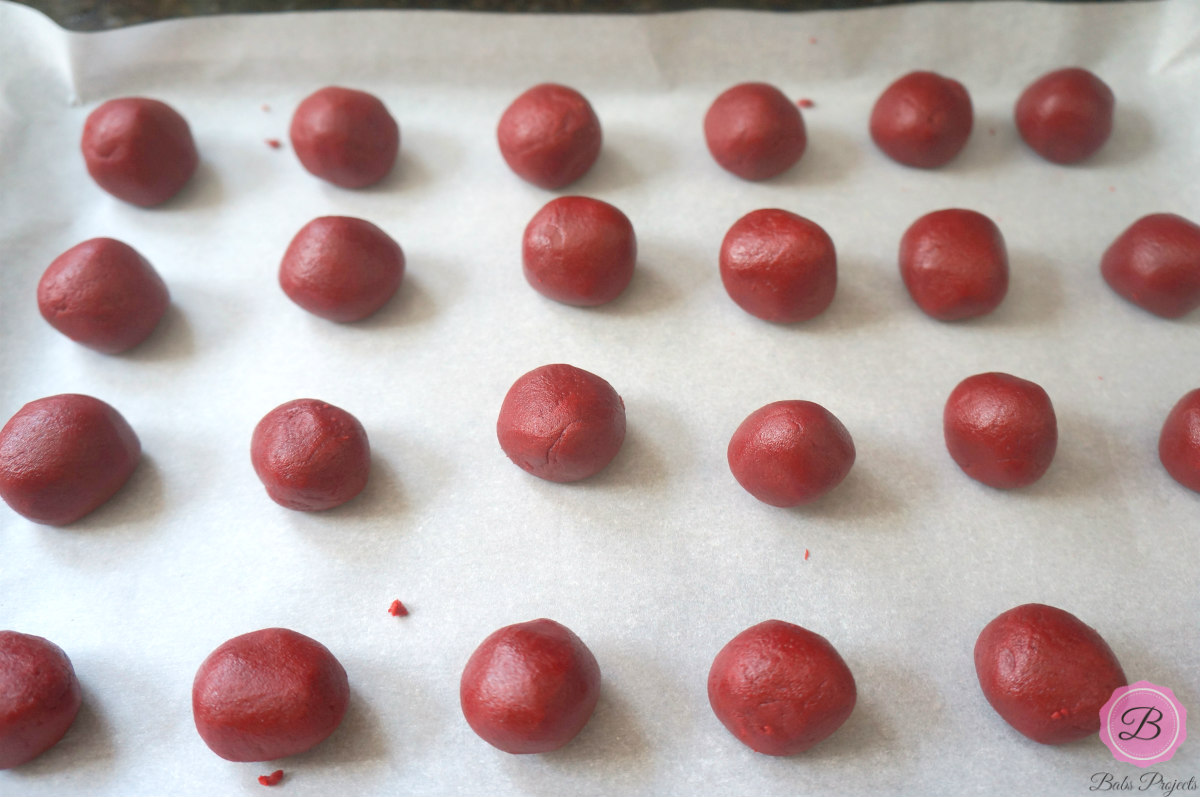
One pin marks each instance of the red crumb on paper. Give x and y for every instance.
(266, 108)
(1112, 188)
(274, 143)
(398, 609)
(806, 554)
(805, 102)
(272, 779)
(991, 131)
(812, 39)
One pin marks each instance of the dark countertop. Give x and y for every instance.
(84, 15)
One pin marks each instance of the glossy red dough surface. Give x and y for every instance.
(103, 294)
(922, 120)
(780, 689)
(1046, 673)
(954, 264)
(39, 697)
(579, 251)
(139, 150)
(1000, 429)
(1065, 116)
(63, 456)
(345, 136)
(268, 694)
(790, 453)
(561, 423)
(779, 266)
(550, 136)
(1156, 265)
(341, 268)
(1179, 441)
(754, 131)
(530, 687)
(310, 455)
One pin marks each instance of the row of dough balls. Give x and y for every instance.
(63, 456)
(531, 687)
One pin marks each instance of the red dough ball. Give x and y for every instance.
(561, 423)
(754, 131)
(530, 687)
(779, 266)
(954, 264)
(341, 268)
(780, 689)
(268, 694)
(579, 251)
(1156, 265)
(63, 456)
(1179, 442)
(103, 294)
(39, 697)
(1000, 429)
(345, 136)
(549, 136)
(790, 453)
(310, 455)
(1046, 673)
(922, 120)
(139, 150)
(1065, 116)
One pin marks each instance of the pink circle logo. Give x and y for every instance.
(1143, 724)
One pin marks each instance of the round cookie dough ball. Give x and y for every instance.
(103, 294)
(579, 251)
(1000, 429)
(345, 136)
(780, 689)
(549, 136)
(310, 455)
(139, 150)
(341, 268)
(790, 453)
(268, 694)
(954, 264)
(922, 120)
(39, 697)
(779, 266)
(530, 687)
(1046, 673)
(1156, 265)
(754, 131)
(1065, 116)
(63, 456)
(561, 423)
(1179, 441)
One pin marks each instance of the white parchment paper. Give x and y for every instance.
(662, 558)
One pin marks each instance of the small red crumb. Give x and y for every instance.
(991, 131)
(1112, 188)
(1100, 378)
(266, 108)
(272, 779)
(812, 39)
(805, 102)
(806, 554)
(398, 609)
(274, 143)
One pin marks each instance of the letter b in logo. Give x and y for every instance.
(1143, 724)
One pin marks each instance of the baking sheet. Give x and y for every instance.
(662, 558)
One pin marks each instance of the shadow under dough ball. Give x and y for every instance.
(530, 687)
(341, 268)
(268, 694)
(754, 131)
(954, 264)
(310, 455)
(1156, 265)
(1046, 673)
(579, 251)
(780, 689)
(345, 136)
(139, 150)
(549, 136)
(63, 456)
(922, 120)
(103, 294)
(1065, 116)
(39, 697)
(561, 423)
